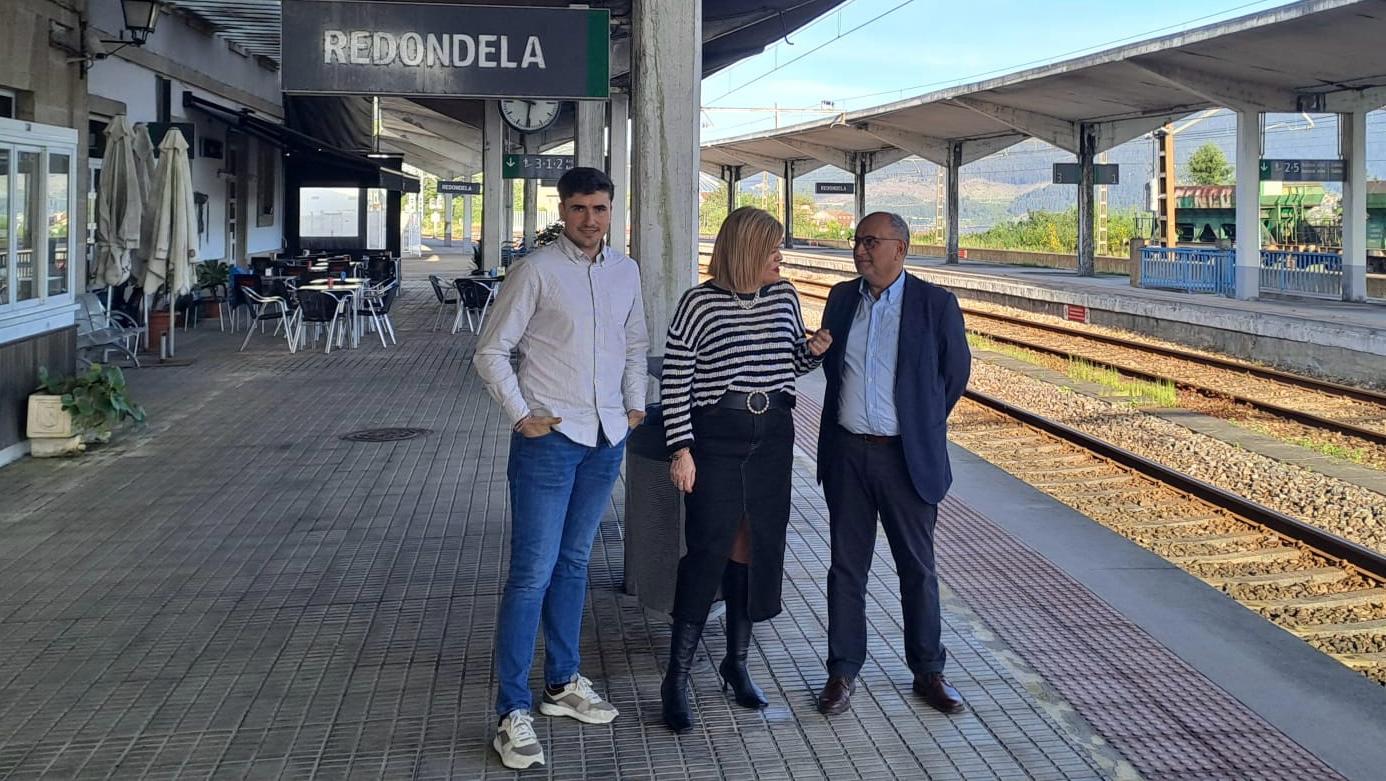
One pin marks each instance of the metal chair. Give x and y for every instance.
(475, 299)
(444, 301)
(318, 307)
(376, 302)
(268, 308)
(99, 330)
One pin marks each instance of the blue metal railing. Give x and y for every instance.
(1190, 269)
(1302, 273)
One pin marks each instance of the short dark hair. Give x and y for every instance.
(585, 181)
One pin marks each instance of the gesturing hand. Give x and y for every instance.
(535, 426)
(819, 343)
(682, 472)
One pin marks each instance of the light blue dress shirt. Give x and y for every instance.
(867, 403)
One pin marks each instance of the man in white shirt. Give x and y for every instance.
(573, 310)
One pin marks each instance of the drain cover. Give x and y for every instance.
(385, 434)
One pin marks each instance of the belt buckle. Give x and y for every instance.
(750, 402)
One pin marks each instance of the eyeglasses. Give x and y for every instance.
(871, 242)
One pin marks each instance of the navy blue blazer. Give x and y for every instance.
(931, 370)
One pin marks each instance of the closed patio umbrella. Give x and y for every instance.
(145, 164)
(173, 235)
(119, 206)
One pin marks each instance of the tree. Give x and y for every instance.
(1208, 165)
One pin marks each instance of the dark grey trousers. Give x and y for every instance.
(864, 481)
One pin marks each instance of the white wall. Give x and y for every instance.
(135, 86)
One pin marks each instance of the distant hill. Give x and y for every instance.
(1018, 180)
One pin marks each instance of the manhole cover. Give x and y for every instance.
(385, 434)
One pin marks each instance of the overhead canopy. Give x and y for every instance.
(443, 135)
(338, 167)
(1313, 56)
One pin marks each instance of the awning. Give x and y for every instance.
(330, 165)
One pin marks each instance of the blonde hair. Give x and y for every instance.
(743, 247)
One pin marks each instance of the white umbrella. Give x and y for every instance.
(119, 205)
(173, 245)
(144, 174)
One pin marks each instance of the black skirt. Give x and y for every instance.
(743, 464)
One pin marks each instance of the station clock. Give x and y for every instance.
(529, 115)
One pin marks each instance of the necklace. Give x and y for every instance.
(747, 303)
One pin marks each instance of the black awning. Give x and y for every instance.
(330, 166)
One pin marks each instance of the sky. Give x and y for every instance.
(870, 52)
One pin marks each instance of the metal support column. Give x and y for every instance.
(589, 147)
(531, 205)
(618, 126)
(1247, 274)
(954, 172)
(1353, 127)
(447, 219)
(789, 204)
(492, 188)
(731, 174)
(1087, 141)
(467, 217)
(859, 200)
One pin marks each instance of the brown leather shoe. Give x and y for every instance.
(936, 691)
(837, 695)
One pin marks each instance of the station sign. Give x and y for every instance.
(459, 188)
(1102, 173)
(355, 47)
(535, 166)
(1328, 170)
(835, 188)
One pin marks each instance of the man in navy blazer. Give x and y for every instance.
(898, 363)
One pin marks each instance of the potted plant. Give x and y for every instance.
(211, 275)
(67, 412)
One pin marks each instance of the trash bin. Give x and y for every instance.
(654, 517)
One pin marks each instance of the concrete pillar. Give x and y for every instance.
(1247, 270)
(492, 188)
(1087, 143)
(467, 218)
(508, 231)
(666, 75)
(859, 201)
(531, 206)
(618, 126)
(447, 219)
(1353, 128)
(589, 148)
(954, 171)
(731, 174)
(789, 204)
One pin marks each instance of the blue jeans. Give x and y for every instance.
(558, 493)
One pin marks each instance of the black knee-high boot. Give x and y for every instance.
(674, 691)
(736, 592)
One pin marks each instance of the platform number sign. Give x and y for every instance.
(1328, 170)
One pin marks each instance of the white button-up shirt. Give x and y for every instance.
(579, 325)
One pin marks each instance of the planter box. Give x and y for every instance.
(50, 428)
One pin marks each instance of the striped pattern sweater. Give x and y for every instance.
(715, 346)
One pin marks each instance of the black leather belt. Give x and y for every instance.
(757, 402)
(872, 439)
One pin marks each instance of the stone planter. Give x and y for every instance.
(50, 429)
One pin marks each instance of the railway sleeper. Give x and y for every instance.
(1260, 555)
(1309, 631)
(1285, 579)
(1367, 596)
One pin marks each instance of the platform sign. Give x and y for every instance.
(535, 166)
(835, 188)
(1327, 170)
(350, 47)
(1102, 173)
(459, 188)
(1076, 313)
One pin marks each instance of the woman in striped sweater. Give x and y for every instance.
(735, 346)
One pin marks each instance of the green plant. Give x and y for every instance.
(548, 235)
(213, 272)
(95, 398)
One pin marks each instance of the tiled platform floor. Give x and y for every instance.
(235, 592)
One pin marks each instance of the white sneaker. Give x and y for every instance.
(516, 742)
(578, 701)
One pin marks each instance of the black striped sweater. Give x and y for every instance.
(717, 345)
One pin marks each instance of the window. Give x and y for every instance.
(37, 243)
(266, 184)
(6, 103)
(376, 199)
(329, 212)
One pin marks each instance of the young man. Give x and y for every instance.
(574, 311)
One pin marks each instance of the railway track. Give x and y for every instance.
(1327, 590)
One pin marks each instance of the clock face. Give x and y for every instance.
(529, 114)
